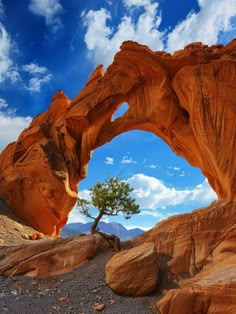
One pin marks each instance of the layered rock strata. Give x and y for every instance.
(188, 99)
(50, 257)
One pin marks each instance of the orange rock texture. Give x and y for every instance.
(188, 99)
(133, 272)
(202, 244)
(50, 257)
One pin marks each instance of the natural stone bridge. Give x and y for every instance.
(188, 99)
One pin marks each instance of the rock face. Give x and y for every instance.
(50, 257)
(203, 244)
(187, 99)
(133, 272)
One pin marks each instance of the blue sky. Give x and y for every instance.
(48, 45)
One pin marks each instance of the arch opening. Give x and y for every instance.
(164, 183)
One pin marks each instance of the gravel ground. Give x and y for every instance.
(75, 292)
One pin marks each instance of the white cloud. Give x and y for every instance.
(152, 166)
(50, 10)
(104, 41)
(39, 75)
(5, 47)
(135, 3)
(128, 160)
(3, 103)
(10, 125)
(85, 194)
(76, 216)
(35, 83)
(156, 214)
(10, 71)
(109, 161)
(128, 227)
(176, 168)
(14, 76)
(212, 23)
(34, 68)
(213, 18)
(152, 193)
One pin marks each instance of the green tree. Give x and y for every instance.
(109, 198)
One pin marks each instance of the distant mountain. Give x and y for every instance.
(112, 228)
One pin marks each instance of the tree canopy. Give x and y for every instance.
(109, 198)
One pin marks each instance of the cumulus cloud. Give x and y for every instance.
(50, 10)
(213, 18)
(11, 125)
(109, 161)
(135, 3)
(76, 216)
(34, 68)
(35, 83)
(39, 75)
(103, 41)
(3, 103)
(5, 48)
(152, 193)
(9, 70)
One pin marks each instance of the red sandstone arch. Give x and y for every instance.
(188, 99)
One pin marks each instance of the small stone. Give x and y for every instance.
(25, 236)
(94, 290)
(112, 302)
(62, 299)
(99, 307)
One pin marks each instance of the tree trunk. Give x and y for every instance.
(113, 240)
(96, 221)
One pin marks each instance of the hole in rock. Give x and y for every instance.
(120, 111)
(164, 183)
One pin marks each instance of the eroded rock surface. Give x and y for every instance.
(50, 257)
(188, 99)
(202, 244)
(133, 272)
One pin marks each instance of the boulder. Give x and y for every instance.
(50, 257)
(201, 244)
(133, 272)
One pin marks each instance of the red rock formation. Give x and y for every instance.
(187, 99)
(213, 289)
(133, 272)
(50, 257)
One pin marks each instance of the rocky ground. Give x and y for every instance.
(76, 292)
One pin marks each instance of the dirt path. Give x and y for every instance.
(75, 292)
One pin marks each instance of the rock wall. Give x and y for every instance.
(197, 262)
(188, 99)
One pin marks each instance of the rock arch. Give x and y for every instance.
(188, 99)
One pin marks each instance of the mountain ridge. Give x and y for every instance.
(117, 229)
